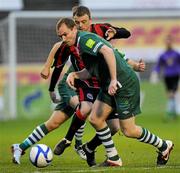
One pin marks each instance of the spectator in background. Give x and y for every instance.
(168, 65)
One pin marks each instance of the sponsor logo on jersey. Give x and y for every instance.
(97, 46)
(90, 43)
(90, 96)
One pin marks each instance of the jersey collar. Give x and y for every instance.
(77, 39)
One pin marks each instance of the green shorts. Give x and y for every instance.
(126, 102)
(66, 93)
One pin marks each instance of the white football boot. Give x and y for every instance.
(80, 152)
(16, 152)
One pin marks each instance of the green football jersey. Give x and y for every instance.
(89, 45)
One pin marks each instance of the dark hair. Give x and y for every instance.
(67, 21)
(81, 11)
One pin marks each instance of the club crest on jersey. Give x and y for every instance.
(90, 96)
(90, 43)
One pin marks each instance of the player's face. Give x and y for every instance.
(83, 22)
(67, 35)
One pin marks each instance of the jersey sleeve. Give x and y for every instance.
(120, 32)
(54, 78)
(90, 44)
(61, 55)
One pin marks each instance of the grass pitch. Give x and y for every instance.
(136, 156)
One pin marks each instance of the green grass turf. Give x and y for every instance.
(136, 156)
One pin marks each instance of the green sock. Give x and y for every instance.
(38, 133)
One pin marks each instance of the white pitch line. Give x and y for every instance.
(112, 169)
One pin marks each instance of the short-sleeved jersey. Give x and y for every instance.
(100, 29)
(64, 51)
(89, 45)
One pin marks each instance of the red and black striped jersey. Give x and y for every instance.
(79, 65)
(61, 56)
(100, 29)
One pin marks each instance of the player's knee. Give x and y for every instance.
(52, 124)
(85, 108)
(83, 111)
(93, 120)
(128, 132)
(80, 114)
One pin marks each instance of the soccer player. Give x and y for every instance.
(82, 18)
(169, 64)
(119, 90)
(69, 99)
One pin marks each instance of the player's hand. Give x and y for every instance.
(45, 73)
(53, 97)
(110, 33)
(70, 80)
(141, 65)
(113, 86)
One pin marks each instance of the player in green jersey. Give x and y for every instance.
(119, 91)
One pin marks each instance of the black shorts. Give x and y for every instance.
(113, 115)
(171, 83)
(86, 92)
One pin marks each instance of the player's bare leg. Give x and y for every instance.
(78, 121)
(130, 129)
(56, 119)
(97, 118)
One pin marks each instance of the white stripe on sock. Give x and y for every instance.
(160, 143)
(103, 132)
(40, 130)
(142, 139)
(37, 134)
(147, 138)
(33, 138)
(105, 137)
(152, 139)
(157, 141)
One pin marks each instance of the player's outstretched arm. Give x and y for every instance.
(117, 33)
(121, 33)
(45, 72)
(139, 66)
(54, 78)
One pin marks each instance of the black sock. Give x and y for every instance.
(75, 125)
(94, 143)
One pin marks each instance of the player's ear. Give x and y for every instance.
(74, 28)
(90, 21)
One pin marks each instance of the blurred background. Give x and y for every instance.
(27, 33)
